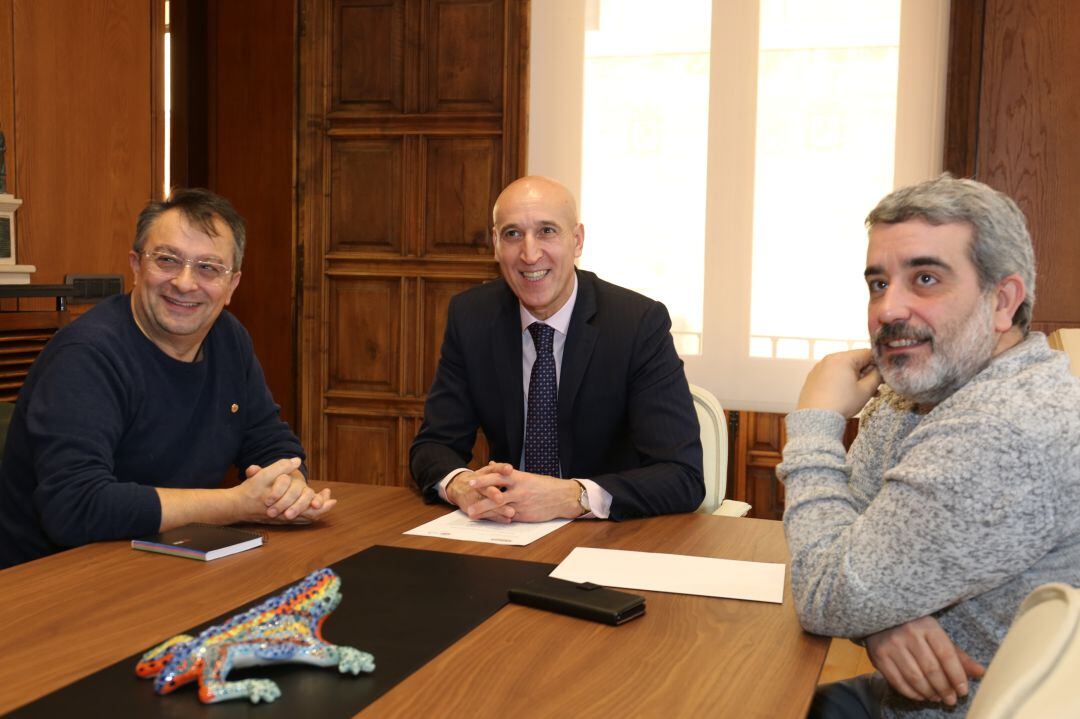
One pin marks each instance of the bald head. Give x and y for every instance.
(538, 190)
(536, 237)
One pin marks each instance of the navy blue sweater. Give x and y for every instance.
(105, 416)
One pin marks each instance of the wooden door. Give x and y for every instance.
(412, 118)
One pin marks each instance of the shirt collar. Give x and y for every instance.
(560, 321)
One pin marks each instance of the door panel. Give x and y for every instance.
(411, 121)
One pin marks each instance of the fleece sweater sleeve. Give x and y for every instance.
(970, 504)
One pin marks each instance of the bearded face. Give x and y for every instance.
(931, 322)
(927, 365)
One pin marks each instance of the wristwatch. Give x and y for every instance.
(583, 499)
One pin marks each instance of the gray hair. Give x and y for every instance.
(1000, 243)
(200, 207)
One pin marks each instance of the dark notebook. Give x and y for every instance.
(200, 541)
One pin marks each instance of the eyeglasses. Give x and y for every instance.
(170, 265)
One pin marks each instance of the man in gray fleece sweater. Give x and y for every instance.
(961, 493)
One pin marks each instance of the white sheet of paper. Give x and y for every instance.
(457, 525)
(654, 571)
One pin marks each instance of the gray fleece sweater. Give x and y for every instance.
(957, 513)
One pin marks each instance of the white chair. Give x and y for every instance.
(1035, 671)
(714, 447)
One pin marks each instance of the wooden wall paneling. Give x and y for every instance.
(757, 448)
(369, 41)
(415, 200)
(157, 99)
(364, 334)
(1028, 145)
(515, 115)
(962, 86)
(758, 445)
(411, 335)
(464, 55)
(22, 337)
(250, 86)
(367, 195)
(188, 144)
(435, 299)
(366, 448)
(411, 122)
(764, 492)
(84, 83)
(7, 91)
(462, 180)
(312, 180)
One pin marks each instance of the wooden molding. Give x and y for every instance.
(963, 87)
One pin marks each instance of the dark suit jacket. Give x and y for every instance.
(626, 418)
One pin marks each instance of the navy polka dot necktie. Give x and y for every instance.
(541, 421)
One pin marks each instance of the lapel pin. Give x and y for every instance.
(235, 408)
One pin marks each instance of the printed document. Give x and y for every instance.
(676, 573)
(457, 525)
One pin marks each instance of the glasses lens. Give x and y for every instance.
(209, 271)
(166, 263)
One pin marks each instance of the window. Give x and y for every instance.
(729, 175)
(825, 143)
(646, 115)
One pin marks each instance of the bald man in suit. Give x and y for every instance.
(616, 435)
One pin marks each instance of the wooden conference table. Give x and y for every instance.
(66, 616)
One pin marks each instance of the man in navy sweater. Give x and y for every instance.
(132, 414)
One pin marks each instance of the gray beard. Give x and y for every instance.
(952, 363)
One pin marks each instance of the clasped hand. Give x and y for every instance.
(279, 494)
(503, 494)
(843, 382)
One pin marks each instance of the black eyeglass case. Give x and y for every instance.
(584, 600)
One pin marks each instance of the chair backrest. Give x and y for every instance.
(1035, 671)
(1068, 341)
(714, 446)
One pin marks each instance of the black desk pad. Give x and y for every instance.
(405, 606)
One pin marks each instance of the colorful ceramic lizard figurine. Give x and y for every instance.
(285, 628)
